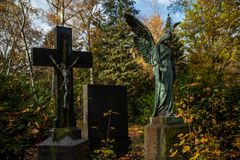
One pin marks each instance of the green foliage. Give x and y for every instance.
(136, 133)
(144, 108)
(14, 21)
(114, 9)
(60, 133)
(208, 105)
(211, 35)
(207, 93)
(180, 5)
(113, 62)
(106, 150)
(22, 123)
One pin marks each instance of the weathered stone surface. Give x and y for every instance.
(99, 100)
(64, 144)
(159, 135)
(65, 149)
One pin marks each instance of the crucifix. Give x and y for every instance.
(63, 59)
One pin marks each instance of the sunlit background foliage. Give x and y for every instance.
(207, 55)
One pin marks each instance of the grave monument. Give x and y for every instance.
(106, 116)
(164, 126)
(65, 141)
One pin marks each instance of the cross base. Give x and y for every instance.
(64, 144)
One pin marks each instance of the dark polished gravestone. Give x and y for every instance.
(99, 102)
(65, 141)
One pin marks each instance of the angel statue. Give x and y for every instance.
(160, 56)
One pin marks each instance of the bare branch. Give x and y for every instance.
(52, 4)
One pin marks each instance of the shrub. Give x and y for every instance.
(23, 121)
(205, 100)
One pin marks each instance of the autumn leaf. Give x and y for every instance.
(186, 149)
(195, 156)
(173, 153)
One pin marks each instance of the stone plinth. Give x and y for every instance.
(160, 134)
(64, 144)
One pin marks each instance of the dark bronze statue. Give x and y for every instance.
(160, 56)
(65, 71)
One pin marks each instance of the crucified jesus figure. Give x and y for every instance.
(65, 71)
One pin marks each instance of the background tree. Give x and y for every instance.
(181, 5)
(208, 90)
(22, 119)
(61, 11)
(16, 15)
(155, 25)
(114, 64)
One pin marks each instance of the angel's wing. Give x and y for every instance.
(143, 38)
(175, 25)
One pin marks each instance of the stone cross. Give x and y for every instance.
(63, 59)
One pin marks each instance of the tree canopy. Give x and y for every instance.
(206, 49)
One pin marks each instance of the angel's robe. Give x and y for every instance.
(164, 71)
(160, 55)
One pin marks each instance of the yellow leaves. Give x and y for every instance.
(180, 135)
(198, 77)
(45, 117)
(34, 131)
(109, 112)
(230, 123)
(53, 19)
(105, 152)
(214, 122)
(140, 61)
(204, 140)
(37, 110)
(182, 142)
(135, 131)
(2, 8)
(36, 123)
(191, 98)
(195, 156)
(189, 119)
(236, 142)
(217, 152)
(194, 84)
(155, 24)
(186, 149)
(11, 121)
(172, 154)
(25, 110)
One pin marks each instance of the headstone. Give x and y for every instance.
(99, 100)
(160, 135)
(65, 141)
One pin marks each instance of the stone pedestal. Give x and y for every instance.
(64, 144)
(160, 134)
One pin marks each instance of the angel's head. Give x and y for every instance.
(166, 36)
(168, 30)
